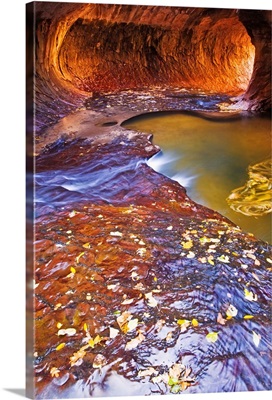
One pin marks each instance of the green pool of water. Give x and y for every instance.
(210, 158)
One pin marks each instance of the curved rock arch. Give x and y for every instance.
(85, 48)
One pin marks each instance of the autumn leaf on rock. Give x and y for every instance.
(248, 316)
(60, 346)
(256, 338)
(78, 257)
(54, 372)
(68, 332)
(250, 296)
(97, 340)
(147, 372)
(116, 233)
(127, 301)
(220, 319)
(212, 337)
(126, 323)
(113, 333)
(223, 258)
(77, 357)
(99, 361)
(184, 323)
(151, 302)
(187, 245)
(231, 311)
(194, 322)
(132, 344)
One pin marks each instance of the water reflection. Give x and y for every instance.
(210, 158)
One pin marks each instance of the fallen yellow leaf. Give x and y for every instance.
(78, 257)
(250, 296)
(187, 245)
(54, 372)
(60, 346)
(212, 337)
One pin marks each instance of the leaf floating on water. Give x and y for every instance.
(256, 338)
(231, 311)
(250, 296)
(68, 332)
(99, 361)
(132, 344)
(72, 269)
(212, 337)
(59, 325)
(86, 245)
(60, 346)
(248, 316)
(151, 302)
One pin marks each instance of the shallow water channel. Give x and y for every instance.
(210, 158)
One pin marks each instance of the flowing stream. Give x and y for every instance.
(210, 158)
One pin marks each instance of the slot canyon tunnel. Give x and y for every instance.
(86, 48)
(139, 289)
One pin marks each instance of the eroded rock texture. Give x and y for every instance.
(139, 290)
(86, 48)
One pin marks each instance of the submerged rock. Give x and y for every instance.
(161, 294)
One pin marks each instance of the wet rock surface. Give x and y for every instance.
(138, 290)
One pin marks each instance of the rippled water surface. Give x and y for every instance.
(210, 158)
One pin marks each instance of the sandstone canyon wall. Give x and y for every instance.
(82, 49)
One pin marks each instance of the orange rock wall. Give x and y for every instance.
(85, 48)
